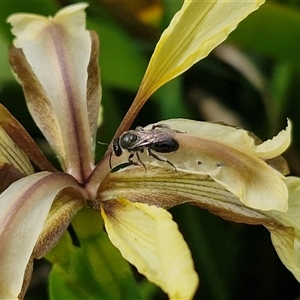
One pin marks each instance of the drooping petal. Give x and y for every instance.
(255, 183)
(165, 188)
(24, 207)
(246, 176)
(193, 32)
(58, 51)
(236, 137)
(149, 239)
(286, 240)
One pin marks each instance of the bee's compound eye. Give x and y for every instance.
(127, 140)
(116, 147)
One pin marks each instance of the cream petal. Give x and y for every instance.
(65, 45)
(149, 239)
(253, 181)
(193, 32)
(275, 146)
(236, 137)
(24, 207)
(286, 240)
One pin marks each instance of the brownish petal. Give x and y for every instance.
(94, 90)
(24, 208)
(8, 175)
(42, 112)
(63, 209)
(27, 278)
(167, 188)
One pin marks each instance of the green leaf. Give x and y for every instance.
(121, 61)
(273, 30)
(5, 73)
(171, 102)
(96, 270)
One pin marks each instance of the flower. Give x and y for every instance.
(220, 168)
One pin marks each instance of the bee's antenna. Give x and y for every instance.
(102, 143)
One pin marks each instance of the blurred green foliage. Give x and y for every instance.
(234, 261)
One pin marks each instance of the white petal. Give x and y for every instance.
(58, 50)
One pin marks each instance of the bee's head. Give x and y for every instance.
(127, 140)
(117, 147)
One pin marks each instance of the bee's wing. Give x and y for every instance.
(148, 137)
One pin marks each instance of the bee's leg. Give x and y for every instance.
(161, 126)
(110, 155)
(139, 160)
(160, 158)
(165, 127)
(130, 159)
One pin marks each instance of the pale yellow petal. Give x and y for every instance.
(253, 181)
(275, 146)
(287, 246)
(149, 239)
(193, 32)
(236, 137)
(287, 240)
(24, 207)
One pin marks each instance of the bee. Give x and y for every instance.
(159, 139)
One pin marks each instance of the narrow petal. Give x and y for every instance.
(193, 32)
(287, 240)
(24, 207)
(149, 239)
(65, 45)
(94, 90)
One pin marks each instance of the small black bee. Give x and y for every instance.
(159, 139)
